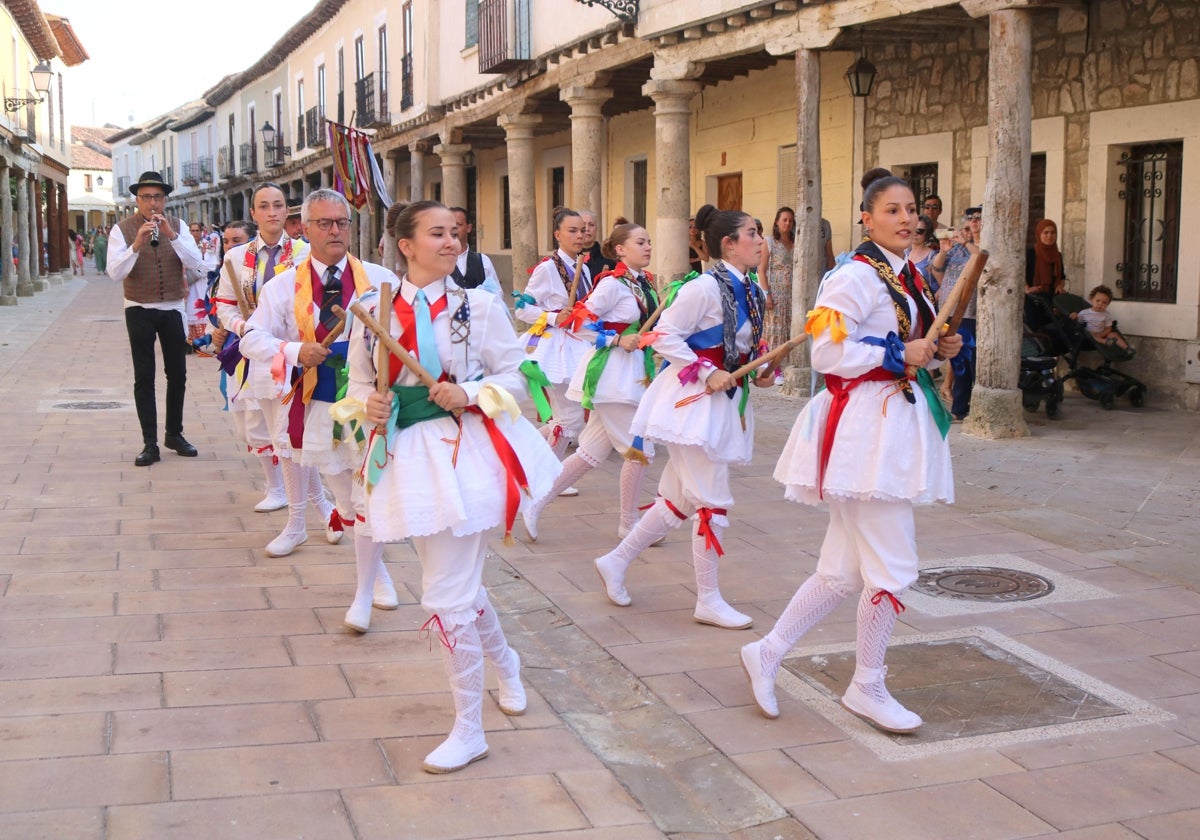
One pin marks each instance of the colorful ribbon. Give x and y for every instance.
(539, 384)
(704, 528)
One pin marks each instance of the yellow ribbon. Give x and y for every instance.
(304, 310)
(494, 401)
(822, 319)
(351, 412)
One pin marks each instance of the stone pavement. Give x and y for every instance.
(161, 677)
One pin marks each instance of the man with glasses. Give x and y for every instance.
(147, 254)
(293, 318)
(933, 209)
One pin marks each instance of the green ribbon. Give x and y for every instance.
(675, 285)
(941, 415)
(591, 377)
(341, 373)
(535, 377)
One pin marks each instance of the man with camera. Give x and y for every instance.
(147, 254)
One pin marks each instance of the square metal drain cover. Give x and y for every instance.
(973, 688)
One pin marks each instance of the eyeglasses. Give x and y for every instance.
(921, 231)
(152, 196)
(931, 205)
(975, 217)
(327, 224)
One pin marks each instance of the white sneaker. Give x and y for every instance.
(270, 503)
(531, 524)
(286, 543)
(384, 597)
(511, 698)
(358, 617)
(879, 708)
(455, 754)
(615, 590)
(762, 685)
(721, 615)
(569, 491)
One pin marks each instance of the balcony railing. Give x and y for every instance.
(247, 158)
(314, 126)
(341, 107)
(364, 101)
(406, 81)
(504, 35)
(190, 173)
(205, 170)
(123, 185)
(276, 153)
(170, 175)
(225, 165)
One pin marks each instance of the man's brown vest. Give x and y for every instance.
(158, 273)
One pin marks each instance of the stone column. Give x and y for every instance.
(54, 231)
(522, 202)
(587, 148)
(8, 272)
(40, 284)
(24, 280)
(808, 256)
(996, 401)
(673, 173)
(64, 260)
(454, 173)
(416, 170)
(391, 179)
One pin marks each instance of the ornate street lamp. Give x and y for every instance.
(861, 75)
(42, 77)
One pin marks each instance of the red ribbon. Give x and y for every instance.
(704, 526)
(514, 474)
(427, 633)
(840, 389)
(580, 315)
(878, 597)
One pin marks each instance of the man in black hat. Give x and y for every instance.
(293, 226)
(147, 254)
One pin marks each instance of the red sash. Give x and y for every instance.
(840, 389)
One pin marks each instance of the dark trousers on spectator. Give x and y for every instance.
(964, 371)
(144, 327)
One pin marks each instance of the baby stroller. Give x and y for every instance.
(1039, 378)
(1104, 382)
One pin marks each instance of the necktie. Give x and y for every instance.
(427, 350)
(906, 280)
(332, 296)
(756, 318)
(269, 268)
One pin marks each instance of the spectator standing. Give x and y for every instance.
(947, 268)
(150, 258)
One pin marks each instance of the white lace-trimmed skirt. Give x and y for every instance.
(558, 353)
(885, 448)
(711, 422)
(423, 491)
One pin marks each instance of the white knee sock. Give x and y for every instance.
(315, 491)
(633, 476)
(814, 600)
(464, 668)
(876, 620)
(294, 479)
(273, 474)
(368, 558)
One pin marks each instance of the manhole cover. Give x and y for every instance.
(88, 406)
(982, 583)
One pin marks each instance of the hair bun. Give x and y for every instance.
(704, 216)
(872, 175)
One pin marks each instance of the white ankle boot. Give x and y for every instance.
(872, 702)
(762, 677)
(719, 614)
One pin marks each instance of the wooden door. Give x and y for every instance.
(729, 192)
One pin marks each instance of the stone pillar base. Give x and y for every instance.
(797, 381)
(41, 285)
(63, 277)
(996, 414)
(8, 300)
(25, 290)
(54, 278)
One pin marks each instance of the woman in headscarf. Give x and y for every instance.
(1044, 276)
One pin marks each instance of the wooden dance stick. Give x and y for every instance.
(392, 345)
(653, 319)
(383, 356)
(952, 311)
(770, 358)
(238, 292)
(574, 294)
(326, 342)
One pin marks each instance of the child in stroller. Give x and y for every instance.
(1092, 328)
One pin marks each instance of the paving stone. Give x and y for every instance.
(319, 814)
(276, 769)
(228, 624)
(53, 736)
(200, 655)
(76, 823)
(139, 731)
(78, 782)
(253, 685)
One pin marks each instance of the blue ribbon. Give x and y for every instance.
(523, 299)
(893, 352)
(965, 356)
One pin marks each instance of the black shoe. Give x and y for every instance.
(148, 455)
(181, 446)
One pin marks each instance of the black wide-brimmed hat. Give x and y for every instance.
(150, 179)
(294, 210)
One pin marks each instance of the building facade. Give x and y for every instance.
(1086, 113)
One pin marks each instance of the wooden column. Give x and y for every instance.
(996, 410)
